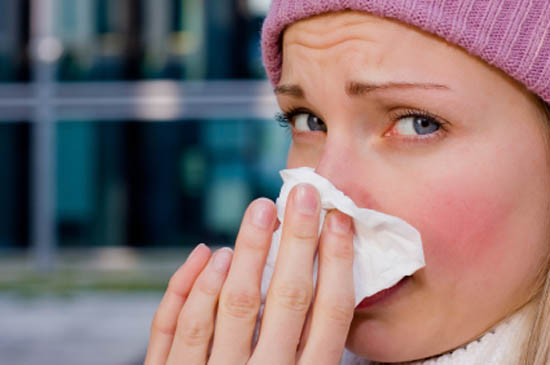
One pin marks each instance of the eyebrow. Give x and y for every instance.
(355, 88)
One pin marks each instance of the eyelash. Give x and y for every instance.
(284, 119)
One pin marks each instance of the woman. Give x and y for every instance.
(396, 103)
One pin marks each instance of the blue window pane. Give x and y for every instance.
(163, 184)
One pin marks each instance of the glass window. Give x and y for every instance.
(131, 168)
(158, 184)
(14, 40)
(14, 188)
(157, 39)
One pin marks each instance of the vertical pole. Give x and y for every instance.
(45, 50)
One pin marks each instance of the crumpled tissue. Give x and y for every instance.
(386, 248)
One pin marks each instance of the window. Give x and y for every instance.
(147, 123)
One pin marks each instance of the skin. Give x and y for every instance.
(477, 190)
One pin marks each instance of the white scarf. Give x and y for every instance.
(499, 346)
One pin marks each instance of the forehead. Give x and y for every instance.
(359, 42)
(324, 30)
(358, 46)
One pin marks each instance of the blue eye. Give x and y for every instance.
(416, 125)
(302, 121)
(306, 122)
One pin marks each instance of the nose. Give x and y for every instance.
(344, 164)
(336, 163)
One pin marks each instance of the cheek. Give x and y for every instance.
(461, 225)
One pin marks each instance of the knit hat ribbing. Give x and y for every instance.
(513, 35)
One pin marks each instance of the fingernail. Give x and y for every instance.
(306, 199)
(222, 259)
(340, 223)
(262, 214)
(195, 250)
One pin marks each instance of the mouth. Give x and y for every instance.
(382, 295)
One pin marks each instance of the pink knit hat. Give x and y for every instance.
(513, 35)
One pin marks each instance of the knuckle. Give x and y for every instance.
(321, 357)
(252, 241)
(336, 250)
(294, 297)
(160, 326)
(340, 312)
(194, 332)
(208, 286)
(173, 287)
(302, 231)
(240, 304)
(172, 281)
(304, 235)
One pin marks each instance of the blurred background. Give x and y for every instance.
(130, 131)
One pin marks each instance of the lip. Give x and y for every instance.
(382, 295)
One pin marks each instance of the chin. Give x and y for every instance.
(374, 340)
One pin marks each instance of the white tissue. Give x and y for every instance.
(386, 248)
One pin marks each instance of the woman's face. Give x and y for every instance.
(411, 126)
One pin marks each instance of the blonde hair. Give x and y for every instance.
(537, 345)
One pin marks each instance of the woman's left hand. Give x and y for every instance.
(209, 311)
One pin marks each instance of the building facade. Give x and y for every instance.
(132, 122)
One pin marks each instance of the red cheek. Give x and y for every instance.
(460, 227)
(461, 223)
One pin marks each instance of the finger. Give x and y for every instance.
(164, 322)
(290, 292)
(305, 334)
(326, 232)
(240, 297)
(196, 320)
(332, 310)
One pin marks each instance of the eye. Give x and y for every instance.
(305, 122)
(301, 120)
(413, 125)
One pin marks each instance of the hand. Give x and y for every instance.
(209, 311)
